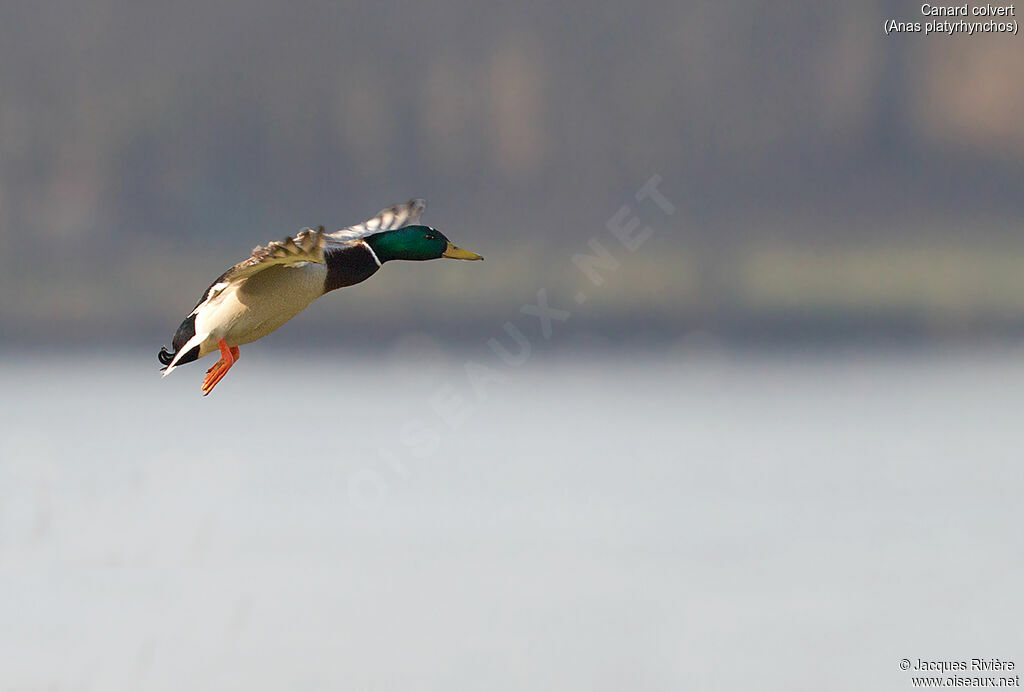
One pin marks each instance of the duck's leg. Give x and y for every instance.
(228, 357)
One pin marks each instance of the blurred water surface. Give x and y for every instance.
(680, 521)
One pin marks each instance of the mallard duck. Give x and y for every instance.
(261, 293)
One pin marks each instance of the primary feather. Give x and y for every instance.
(395, 216)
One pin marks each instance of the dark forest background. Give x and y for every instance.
(831, 182)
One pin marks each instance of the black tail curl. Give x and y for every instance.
(166, 356)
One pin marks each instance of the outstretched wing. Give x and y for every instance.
(395, 216)
(305, 246)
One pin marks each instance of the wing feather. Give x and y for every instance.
(395, 216)
(305, 246)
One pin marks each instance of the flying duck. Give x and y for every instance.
(259, 294)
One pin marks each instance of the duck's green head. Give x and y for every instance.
(416, 243)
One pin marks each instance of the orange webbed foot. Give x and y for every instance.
(228, 357)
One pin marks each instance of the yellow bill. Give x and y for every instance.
(453, 252)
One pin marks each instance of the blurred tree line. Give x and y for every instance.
(148, 144)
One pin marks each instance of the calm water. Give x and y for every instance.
(697, 521)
